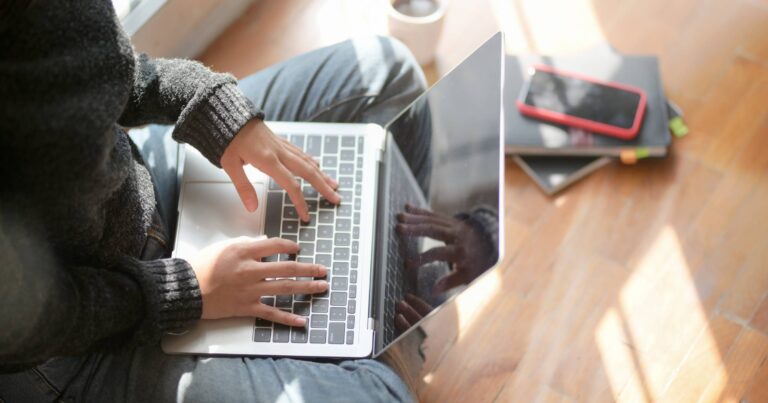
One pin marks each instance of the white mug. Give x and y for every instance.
(420, 33)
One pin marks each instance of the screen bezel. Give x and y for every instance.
(575, 121)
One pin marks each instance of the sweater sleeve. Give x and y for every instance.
(48, 309)
(207, 108)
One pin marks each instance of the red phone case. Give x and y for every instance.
(590, 125)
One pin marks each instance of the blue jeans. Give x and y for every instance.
(364, 80)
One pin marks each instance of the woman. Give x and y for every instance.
(86, 285)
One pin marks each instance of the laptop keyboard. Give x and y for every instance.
(331, 238)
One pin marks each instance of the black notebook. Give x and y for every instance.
(527, 136)
(553, 174)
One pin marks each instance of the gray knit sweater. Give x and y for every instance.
(76, 201)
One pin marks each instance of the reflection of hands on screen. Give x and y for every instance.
(409, 311)
(465, 249)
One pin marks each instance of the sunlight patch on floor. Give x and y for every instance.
(639, 339)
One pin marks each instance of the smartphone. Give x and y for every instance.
(571, 99)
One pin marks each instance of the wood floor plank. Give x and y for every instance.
(704, 359)
(739, 368)
(758, 390)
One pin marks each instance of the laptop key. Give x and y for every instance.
(307, 249)
(328, 205)
(350, 337)
(360, 145)
(325, 231)
(340, 268)
(329, 161)
(356, 230)
(352, 291)
(314, 145)
(329, 172)
(355, 246)
(346, 182)
(324, 246)
(309, 192)
(336, 333)
(323, 260)
(351, 306)
(346, 169)
(317, 336)
(339, 283)
(351, 322)
(344, 210)
(347, 155)
(282, 333)
(320, 306)
(268, 301)
(348, 141)
(341, 239)
(290, 213)
(290, 226)
(358, 204)
(325, 216)
(307, 234)
(341, 254)
(298, 335)
(301, 308)
(353, 276)
(338, 313)
(318, 321)
(304, 259)
(330, 145)
(274, 205)
(343, 224)
(298, 140)
(353, 262)
(283, 301)
(312, 205)
(338, 298)
(262, 334)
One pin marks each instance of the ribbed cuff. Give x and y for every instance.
(172, 297)
(211, 123)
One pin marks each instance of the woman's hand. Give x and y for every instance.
(233, 279)
(255, 144)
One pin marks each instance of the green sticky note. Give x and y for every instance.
(678, 127)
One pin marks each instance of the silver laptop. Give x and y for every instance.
(442, 154)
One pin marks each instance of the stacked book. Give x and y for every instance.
(556, 156)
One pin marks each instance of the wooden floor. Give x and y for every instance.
(641, 283)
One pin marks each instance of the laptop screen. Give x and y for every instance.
(450, 141)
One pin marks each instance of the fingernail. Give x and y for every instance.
(299, 321)
(322, 270)
(250, 205)
(338, 197)
(322, 284)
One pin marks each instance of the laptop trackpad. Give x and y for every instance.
(212, 212)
